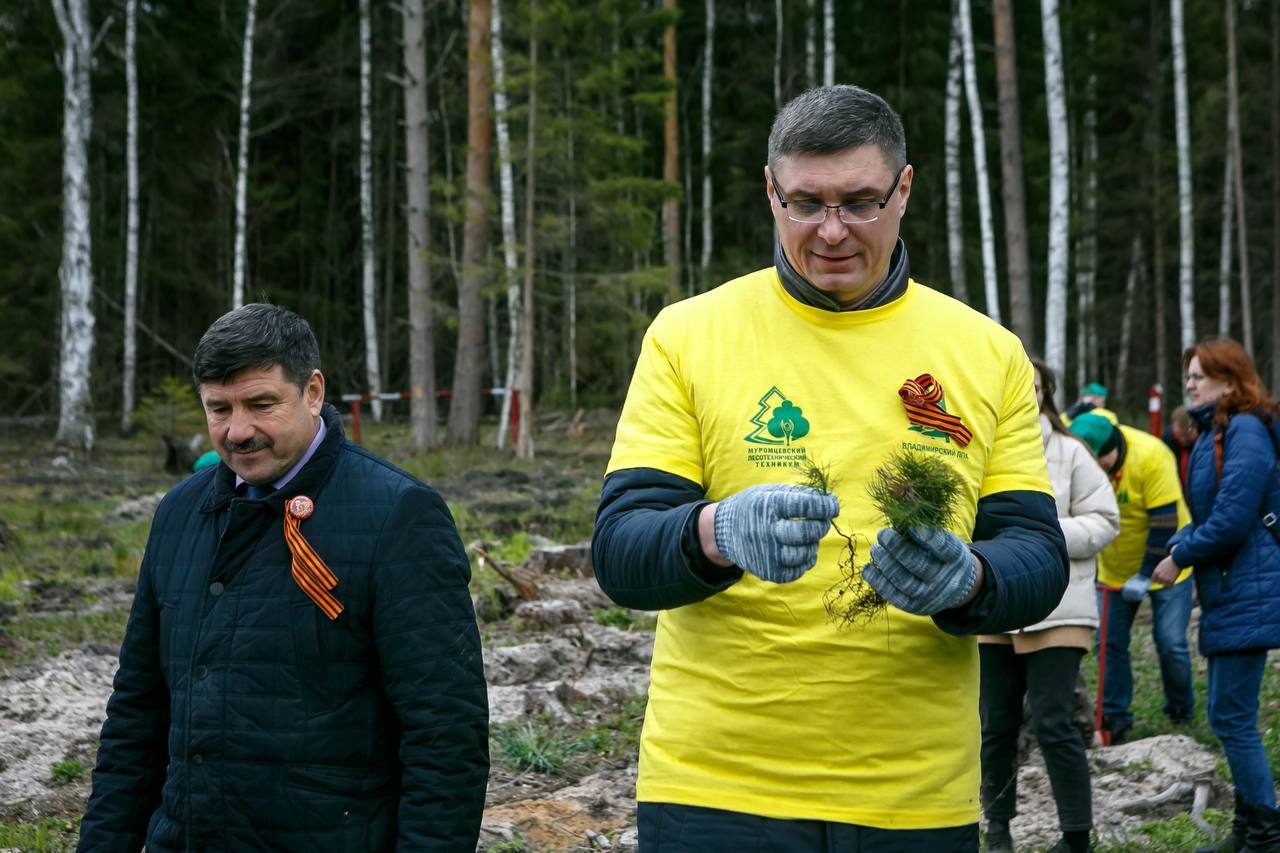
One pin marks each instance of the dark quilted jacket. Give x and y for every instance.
(243, 719)
(1237, 562)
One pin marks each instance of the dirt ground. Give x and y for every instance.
(564, 667)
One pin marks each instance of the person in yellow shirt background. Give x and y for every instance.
(1092, 400)
(769, 725)
(1144, 475)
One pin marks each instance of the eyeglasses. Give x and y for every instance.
(850, 213)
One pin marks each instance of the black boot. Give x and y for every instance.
(1234, 842)
(1262, 830)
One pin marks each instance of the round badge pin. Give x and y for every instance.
(301, 507)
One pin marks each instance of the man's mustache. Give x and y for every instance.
(257, 443)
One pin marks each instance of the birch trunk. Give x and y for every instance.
(507, 208)
(708, 67)
(778, 38)
(828, 42)
(1242, 221)
(671, 158)
(1228, 229)
(571, 256)
(1182, 124)
(422, 367)
(1087, 256)
(951, 151)
(524, 441)
(1130, 308)
(1015, 213)
(464, 410)
(978, 132)
(130, 368)
(75, 410)
(369, 290)
(1055, 319)
(810, 45)
(239, 272)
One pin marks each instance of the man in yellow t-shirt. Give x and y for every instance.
(1144, 474)
(769, 727)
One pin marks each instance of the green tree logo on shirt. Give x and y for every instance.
(778, 421)
(788, 422)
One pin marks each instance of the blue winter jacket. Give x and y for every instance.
(1237, 562)
(244, 719)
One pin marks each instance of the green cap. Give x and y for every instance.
(1097, 432)
(1093, 389)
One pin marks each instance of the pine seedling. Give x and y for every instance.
(909, 490)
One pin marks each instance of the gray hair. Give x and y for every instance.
(257, 335)
(832, 119)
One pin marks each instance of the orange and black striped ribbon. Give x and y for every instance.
(309, 570)
(922, 396)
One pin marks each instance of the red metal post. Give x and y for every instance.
(1155, 409)
(355, 421)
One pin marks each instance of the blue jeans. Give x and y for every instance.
(1171, 613)
(1234, 682)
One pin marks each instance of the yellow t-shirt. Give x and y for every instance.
(1148, 479)
(757, 702)
(1096, 410)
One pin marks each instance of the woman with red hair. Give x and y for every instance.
(1234, 544)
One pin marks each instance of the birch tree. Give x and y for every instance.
(369, 291)
(951, 154)
(422, 367)
(1237, 152)
(671, 158)
(1228, 234)
(464, 410)
(810, 45)
(75, 273)
(1015, 213)
(828, 42)
(708, 68)
(979, 135)
(242, 156)
(778, 37)
(129, 377)
(1055, 315)
(1087, 254)
(1186, 230)
(524, 441)
(507, 211)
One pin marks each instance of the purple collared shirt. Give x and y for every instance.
(292, 472)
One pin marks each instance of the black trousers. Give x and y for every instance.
(670, 828)
(1047, 678)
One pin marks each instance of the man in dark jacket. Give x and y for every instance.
(769, 725)
(301, 668)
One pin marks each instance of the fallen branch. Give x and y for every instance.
(1203, 789)
(525, 586)
(1176, 791)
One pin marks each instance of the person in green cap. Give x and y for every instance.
(1144, 475)
(1093, 398)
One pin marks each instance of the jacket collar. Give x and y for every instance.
(800, 289)
(1202, 415)
(306, 482)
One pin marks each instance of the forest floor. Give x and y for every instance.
(567, 670)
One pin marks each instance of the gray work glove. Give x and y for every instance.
(773, 531)
(1135, 589)
(925, 573)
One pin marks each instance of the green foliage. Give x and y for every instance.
(516, 844)
(66, 772)
(915, 489)
(621, 617)
(46, 835)
(172, 408)
(1176, 834)
(537, 745)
